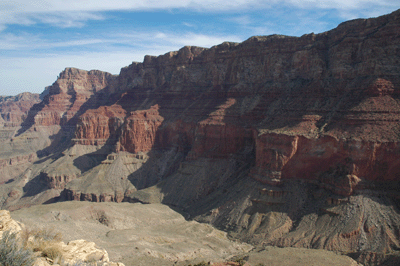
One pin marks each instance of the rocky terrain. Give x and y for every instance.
(138, 234)
(284, 141)
(47, 249)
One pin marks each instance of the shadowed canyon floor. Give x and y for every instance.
(278, 140)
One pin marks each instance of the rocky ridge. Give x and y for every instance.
(259, 138)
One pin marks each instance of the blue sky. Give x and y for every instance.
(38, 39)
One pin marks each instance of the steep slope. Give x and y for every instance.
(290, 141)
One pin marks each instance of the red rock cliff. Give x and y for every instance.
(73, 88)
(308, 105)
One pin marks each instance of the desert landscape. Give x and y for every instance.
(277, 150)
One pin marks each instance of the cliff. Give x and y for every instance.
(14, 109)
(258, 138)
(73, 88)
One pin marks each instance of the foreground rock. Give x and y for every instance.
(76, 251)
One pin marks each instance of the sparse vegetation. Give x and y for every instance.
(46, 234)
(101, 217)
(13, 252)
(203, 263)
(241, 260)
(45, 241)
(81, 263)
(21, 249)
(24, 247)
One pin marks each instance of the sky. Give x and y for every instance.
(40, 38)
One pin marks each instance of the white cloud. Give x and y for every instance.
(33, 73)
(19, 74)
(340, 4)
(188, 24)
(42, 6)
(160, 35)
(132, 40)
(241, 20)
(174, 40)
(26, 42)
(67, 19)
(200, 39)
(74, 13)
(95, 5)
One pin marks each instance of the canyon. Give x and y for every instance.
(279, 141)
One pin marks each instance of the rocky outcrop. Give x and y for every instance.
(28, 158)
(337, 164)
(65, 98)
(140, 129)
(96, 127)
(7, 223)
(77, 251)
(106, 182)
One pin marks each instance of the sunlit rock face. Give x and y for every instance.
(256, 137)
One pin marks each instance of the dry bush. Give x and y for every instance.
(46, 241)
(46, 234)
(81, 263)
(12, 251)
(49, 249)
(101, 217)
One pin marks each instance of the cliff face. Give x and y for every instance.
(73, 88)
(14, 109)
(274, 119)
(305, 104)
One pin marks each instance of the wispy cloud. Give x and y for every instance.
(193, 39)
(67, 19)
(26, 42)
(348, 9)
(27, 73)
(112, 53)
(74, 13)
(171, 39)
(190, 25)
(242, 20)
